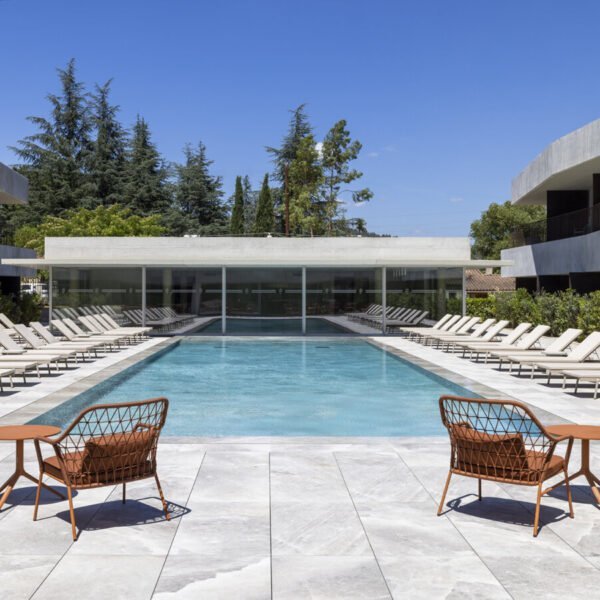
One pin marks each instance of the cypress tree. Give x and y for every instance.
(264, 212)
(146, 190)
(237, 214)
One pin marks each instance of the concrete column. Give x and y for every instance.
(143, 296)
(303, 300)
(224, 300)
(383, 299)
(464, 293)
(50, 286)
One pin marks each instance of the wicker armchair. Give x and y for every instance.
(502, 441)
(106, 444)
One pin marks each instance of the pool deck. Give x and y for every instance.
(302, 518)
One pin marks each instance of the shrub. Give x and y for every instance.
(517, 307)
(484, 308)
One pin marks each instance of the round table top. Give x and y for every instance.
(581, 432)
(26, 432)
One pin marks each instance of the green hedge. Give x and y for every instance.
(560, 310)
(23, 308)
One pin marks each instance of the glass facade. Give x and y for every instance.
(119, 288)
(437, 291)
(258, 299)
(186, 291)
(264, 293)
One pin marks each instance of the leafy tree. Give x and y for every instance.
(493, 231)
(304, 180)
(146, 191)
(114, 220)
(237, 214)
(107, 162)
(199, 195)
(57, 156)
(337, 152)
(264, 212)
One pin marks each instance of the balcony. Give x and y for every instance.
(568, 225)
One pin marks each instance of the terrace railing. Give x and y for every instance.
(572, 224)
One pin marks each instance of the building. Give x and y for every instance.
(14, 190)
(480, 284)
(564, 250)
(268, 277)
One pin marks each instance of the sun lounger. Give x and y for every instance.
(447, 340)
(71, 336)
(482, 347)
(83, 346)
(557, 348)
(491, 334)
(525, 342)
(574, 361)
(464, 330)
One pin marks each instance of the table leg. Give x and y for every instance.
(21, 472)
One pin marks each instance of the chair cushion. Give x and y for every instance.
(493, 451)
(501, 456)
(107, 459)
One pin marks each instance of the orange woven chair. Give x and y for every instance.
(503, 441)
(106, 444)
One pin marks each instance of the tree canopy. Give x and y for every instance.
(101, 221)
(492, 232)
(82, 157)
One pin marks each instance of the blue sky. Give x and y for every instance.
(450, 99)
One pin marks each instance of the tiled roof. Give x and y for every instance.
(478, 281)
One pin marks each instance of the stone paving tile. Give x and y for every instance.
(21, 575)
(317, 529)
(324, 577)
(98, 577)
(193, 577)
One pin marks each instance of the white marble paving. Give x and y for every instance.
(318, 518)
(300, 520)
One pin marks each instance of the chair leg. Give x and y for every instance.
(72, 513)
(37, 497)
(536, 520)
(162, 498)
(124, 493)
(569, 495)
(479, 489)
(441, 506)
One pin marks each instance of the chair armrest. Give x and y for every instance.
(38, 449)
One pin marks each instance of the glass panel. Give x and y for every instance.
(264, 301)
(436, 291)
(185, 291)
(96, 288)
(335, 292)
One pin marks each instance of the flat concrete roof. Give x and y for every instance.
(256, 252)
(566, 164)
(14, 188)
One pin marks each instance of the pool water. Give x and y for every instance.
(266, 326)
(271, 387)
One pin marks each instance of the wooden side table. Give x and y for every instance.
(585, 433)
(18, 434)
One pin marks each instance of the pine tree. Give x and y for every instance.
(264, 211)
(107, 170)
(199, 195)
(237, 214)
(57, 156)
(337, 152)
(146, 191)
(298, 129)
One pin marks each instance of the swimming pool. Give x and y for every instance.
(278, 387)
(266, 326)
